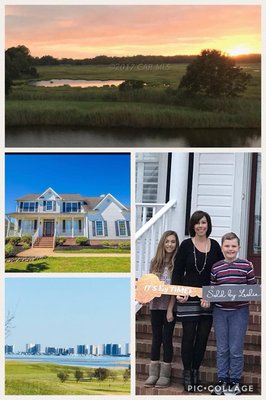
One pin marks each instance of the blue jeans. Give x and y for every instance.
(230, 329)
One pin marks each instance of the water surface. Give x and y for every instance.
(130, 137)
(76, 83)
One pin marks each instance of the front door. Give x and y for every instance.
(48, 227)
(254, 242)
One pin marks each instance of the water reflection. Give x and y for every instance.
(129, 137)
(76, 83)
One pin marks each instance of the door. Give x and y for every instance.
(254, 237)
(48, 228)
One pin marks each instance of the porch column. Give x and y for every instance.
(72, 226)
(178, 191)
(85, 227)
(8, 227)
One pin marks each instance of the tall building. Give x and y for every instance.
(33, 348)
(9, 349)
(108, 349)
(82, 349)
(116, 349)
(127, 349)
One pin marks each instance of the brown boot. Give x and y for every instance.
(154, 371)
(165, 376)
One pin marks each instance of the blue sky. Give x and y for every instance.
(86, 174)
(64, 312)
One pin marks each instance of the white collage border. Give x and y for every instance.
(132, 151)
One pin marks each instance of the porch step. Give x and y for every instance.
(44, 242)
(252, 355)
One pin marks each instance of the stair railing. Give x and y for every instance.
(54, 237)
(34, 237)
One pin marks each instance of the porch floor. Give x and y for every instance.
(50, 253)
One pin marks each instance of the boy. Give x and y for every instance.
(230, 319)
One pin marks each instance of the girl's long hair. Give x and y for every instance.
(157, 263)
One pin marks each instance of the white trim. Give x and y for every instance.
(114, 199)
(47, 190)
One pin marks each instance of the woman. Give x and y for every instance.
(193, 263)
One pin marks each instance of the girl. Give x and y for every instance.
(162, 323)
(193, 263)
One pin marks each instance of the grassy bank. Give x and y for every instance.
(72, 264)
(41, 379)
(157, 105)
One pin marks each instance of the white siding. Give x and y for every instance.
(220, 187)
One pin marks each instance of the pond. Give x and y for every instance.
(76, 83)
(40, 136)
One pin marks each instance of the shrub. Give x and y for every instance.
(60, 240)
(78, 375)
(106, 243)
(25, 246)
(14, 240)
(82, 240)
(62, 376)
(124, 245)
(9, 250)
(26, 239)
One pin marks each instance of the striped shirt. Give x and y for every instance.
(237, 272)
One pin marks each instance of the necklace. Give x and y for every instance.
(195, 258)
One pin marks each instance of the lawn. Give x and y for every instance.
(72, 264)
(41, 379)
(94, 251)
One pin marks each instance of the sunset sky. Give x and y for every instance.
(88, 31)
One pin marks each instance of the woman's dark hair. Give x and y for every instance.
(195, 218)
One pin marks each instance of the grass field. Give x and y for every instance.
(72, 264)
(41, 379)
(94, 251)
(157, 105)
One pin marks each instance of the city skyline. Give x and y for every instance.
(122, 30)
(67, 311)
(85, 174)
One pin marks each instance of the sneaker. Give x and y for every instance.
(219, 388)
(234, 388)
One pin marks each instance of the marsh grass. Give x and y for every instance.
(158, 105)
(23, 378)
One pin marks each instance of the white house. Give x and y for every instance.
(51, 214)
(171, 186)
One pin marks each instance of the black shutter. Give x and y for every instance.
(64, 207)
(79, 224)
(64, 225)
(105, 228)
(79, 206)
(19, 224)
(35, 224)
(93, 228)
(116, 228)
(128, 228)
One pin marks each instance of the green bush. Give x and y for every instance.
(123, 245)
(14, 240)
(26, 239)
(106, 243)
(25, 246)
(60, 240)
(9, 250)
(82, 240)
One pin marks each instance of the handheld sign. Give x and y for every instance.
(221, 293)
(149, 286)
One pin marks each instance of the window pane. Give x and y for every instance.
(122, 228)
(99, 228)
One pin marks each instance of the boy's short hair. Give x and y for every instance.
(230, 236)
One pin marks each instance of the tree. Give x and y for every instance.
(9, 323)
(78, 375)
(62, 376)
(214, 74)
(126, 375)
(131, 84)
(101, 373)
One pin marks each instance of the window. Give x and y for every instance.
(71, 207)
(49, 205)
(122, 229)
(27, 206)
(99, 228)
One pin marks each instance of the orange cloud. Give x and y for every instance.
(87, 31)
